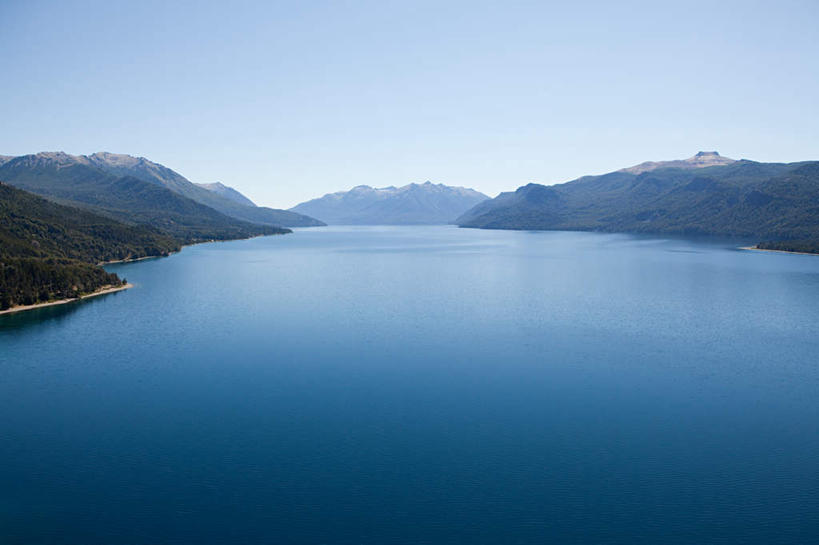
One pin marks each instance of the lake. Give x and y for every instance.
(421, 385)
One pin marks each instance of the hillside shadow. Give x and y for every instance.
(52, 314)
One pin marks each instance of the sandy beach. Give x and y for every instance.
(102, 291)
(130, 260)
(776, 251)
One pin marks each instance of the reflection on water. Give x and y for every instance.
(53, 313)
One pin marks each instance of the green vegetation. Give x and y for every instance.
(49, 251)
(28, 281)
(35, 227)
(773, 202)
(804, 246)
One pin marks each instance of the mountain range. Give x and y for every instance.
(104, 207)
(776, 204)
(412, 204)
(76, 181)
(121, 165)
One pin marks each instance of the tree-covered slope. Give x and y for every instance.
(49, 251)
(771, 202)
(76, 181)
(35, 227)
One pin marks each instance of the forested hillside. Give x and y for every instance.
(49, 251)
(76, 182)
(774, 203)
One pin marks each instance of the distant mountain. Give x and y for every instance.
(143, 169)
(425, 203)
(775, 203)
(79, 181)
(5, 158)
(49, 251)
(228, 193)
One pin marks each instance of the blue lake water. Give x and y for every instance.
(421, 385)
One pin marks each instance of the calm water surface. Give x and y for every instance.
(421, 385)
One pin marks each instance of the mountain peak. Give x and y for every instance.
(115, 159)
(58, 159)
(57, 156)
(702, 159)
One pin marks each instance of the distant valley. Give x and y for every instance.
(412, 204)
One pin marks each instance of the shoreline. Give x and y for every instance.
(754, 248)
(101, 291)
(113, 289)
(182, 247)
(134, 260)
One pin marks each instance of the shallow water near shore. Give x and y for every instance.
(421, 385)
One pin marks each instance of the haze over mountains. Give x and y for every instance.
(143, 169)
(77, 181)
(228, 192)
(774, 203)
(412, 204)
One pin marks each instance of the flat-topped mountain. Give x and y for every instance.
(412, 204)
(701, 160)
(775, 203)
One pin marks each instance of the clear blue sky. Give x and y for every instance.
(287, 101)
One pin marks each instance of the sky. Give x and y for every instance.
(287, 101)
